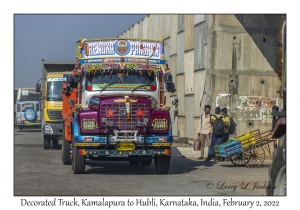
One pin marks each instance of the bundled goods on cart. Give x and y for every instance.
(229, 148)
(246, 140)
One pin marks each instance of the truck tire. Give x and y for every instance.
(277, 171)
(46, 140)
(162, 163)
(65, 150)
(78, 161)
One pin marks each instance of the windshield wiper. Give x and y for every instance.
(57, 98)
(109, 85)
(137, 88)
(53, 99)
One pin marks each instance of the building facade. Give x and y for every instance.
(222, 60)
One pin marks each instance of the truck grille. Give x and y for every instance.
(55, 115)
(119, 118)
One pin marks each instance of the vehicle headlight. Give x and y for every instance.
(88, 124)
(160, 124)
(48, 129)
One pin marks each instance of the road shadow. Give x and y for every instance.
(29, 145)
(178, 166)
(266, 165)
(56, 147)
(27, 131)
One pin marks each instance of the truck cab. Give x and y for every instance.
(117, 106)
(52, 124)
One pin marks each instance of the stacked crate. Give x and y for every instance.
(246, 140)
(228, 148)
(236, 145)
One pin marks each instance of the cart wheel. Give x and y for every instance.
(237, 160)
(254, 157)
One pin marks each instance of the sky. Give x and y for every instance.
(53, 38)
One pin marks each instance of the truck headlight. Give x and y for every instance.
(48, 129)
(88, 124)
(160, 124)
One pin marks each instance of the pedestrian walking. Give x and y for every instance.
(218, 125)
(204, 129)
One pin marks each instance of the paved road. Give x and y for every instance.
(40, 172)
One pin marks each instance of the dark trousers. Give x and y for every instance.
(214, 140)
(225, 137)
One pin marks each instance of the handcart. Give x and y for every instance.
(248, 149)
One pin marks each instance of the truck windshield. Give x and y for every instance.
(133, 78)
(54, 89)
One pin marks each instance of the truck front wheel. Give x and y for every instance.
(65, 150)
(46, 140)
(162, 163)
(78, 161)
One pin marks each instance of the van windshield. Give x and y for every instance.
(28, 95)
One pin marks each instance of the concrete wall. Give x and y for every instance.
(244, 63)
(233, 56)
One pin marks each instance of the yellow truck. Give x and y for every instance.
(53, 75)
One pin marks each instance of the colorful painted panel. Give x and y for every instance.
(121, 48)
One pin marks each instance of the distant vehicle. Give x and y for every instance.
(53, 74)
(28, 108)
(15, 106)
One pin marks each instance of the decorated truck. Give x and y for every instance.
(114, 105)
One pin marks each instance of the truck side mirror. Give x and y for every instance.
(38, 87)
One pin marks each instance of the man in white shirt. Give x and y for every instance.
(204, 129)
